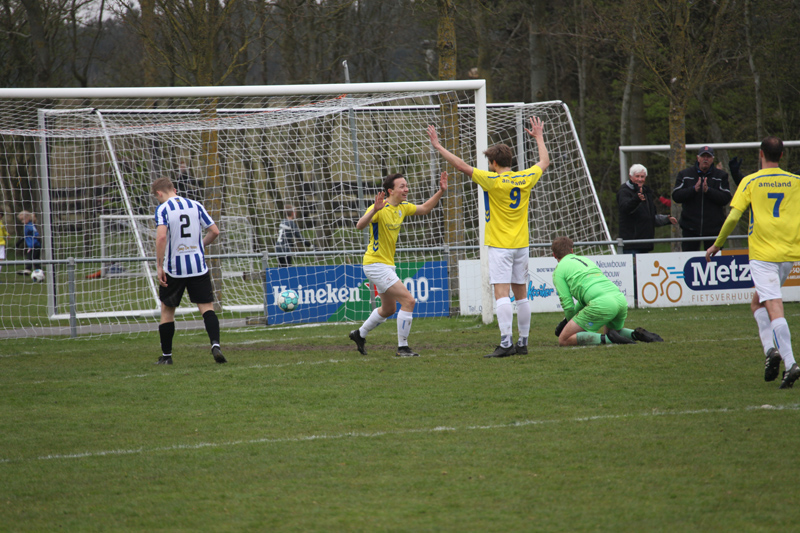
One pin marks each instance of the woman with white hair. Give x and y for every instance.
(637, 211)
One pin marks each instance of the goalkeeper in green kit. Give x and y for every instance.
(600, 303)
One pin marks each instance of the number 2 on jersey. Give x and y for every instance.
(516, 196)
(185, 223)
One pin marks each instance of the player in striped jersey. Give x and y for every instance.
(506, 196)
(181, 264)
(384, 218)
(773, 196)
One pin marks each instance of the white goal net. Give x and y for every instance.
(82, 162)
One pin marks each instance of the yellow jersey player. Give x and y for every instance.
(773, 196)
(506, 197)
(384, 219)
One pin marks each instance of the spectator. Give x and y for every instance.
(185, 185)
(33, 246)
(288, 237)
(704, 192)
(637, 211)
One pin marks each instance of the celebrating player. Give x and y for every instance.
(181, 264)
(773, 196)
(600, 303)
(507, 194)
(384, 219)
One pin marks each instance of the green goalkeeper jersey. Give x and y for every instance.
(579, 278)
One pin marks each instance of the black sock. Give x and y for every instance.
(603, 339)
(166, 331)
(212, 326)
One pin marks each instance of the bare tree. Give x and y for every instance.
(194, 39)
(677, 43)
(453, 202)
(536, 50)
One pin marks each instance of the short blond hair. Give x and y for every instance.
(24, 216)
(162, 184)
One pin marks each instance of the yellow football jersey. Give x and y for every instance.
(506, 197)
(383, 232)
(773, 196)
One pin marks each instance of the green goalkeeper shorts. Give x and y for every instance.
(609, 310)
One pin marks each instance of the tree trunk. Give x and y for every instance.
(581, 60)
(479, 17)
(536, 51)
(625, 111)
(756, 76)
(39, 40)
(453, 200)
(209, 161)
(677, 154)
(149, 64)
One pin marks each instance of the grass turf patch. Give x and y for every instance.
(299, 431)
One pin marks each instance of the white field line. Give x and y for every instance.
(399, 432)
(345, 347)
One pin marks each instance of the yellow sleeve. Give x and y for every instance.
(727, 227)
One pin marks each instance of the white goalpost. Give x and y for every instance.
(88, 157)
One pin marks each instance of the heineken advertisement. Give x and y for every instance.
(341, 293)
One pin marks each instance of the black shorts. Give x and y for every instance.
(200, 289)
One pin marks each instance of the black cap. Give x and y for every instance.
(706, 150)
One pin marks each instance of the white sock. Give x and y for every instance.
(404, 319)
(764, 328)
(374, 320)
(783, 341)
(505, 318)
(524, 319)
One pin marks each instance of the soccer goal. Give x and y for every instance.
(83, 160)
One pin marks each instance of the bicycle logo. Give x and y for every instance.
(651, 291)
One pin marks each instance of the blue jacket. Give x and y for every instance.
(32, 236)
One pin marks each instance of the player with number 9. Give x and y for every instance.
(506, 197)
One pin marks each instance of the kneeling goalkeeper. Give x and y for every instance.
(600, 303)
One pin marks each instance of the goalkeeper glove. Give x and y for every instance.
(735, 165)
(560, 327)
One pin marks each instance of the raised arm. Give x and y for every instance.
(364, 221)
(537, 132)
(428, 206)
(451, 158)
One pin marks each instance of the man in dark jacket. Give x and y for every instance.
(289, 236)
(704, 192)
(637, 211)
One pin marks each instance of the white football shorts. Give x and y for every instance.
(508, 265)
(2, 251)
(769, 278)
(381, 276)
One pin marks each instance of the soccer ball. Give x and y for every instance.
(37, 275)
(288, 300)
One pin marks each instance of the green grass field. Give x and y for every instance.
(299, 432)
